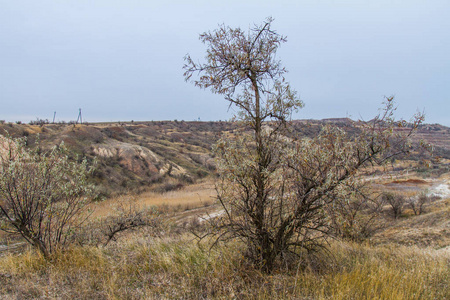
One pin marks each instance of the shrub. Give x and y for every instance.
(169, 186)
(127, 217)
(42, 194)
(418, 202)
(396, 202)
(356, 216)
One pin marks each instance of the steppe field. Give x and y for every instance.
(405, 257)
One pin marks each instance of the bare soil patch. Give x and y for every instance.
(410, 181)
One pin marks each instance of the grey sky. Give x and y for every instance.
(122, 60)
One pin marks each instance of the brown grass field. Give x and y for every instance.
(408, 258)
(192, 196)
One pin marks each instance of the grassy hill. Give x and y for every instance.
(166, 155)
(133, 156)
(406, 258)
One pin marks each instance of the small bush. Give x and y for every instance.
(418, 203)
(396, 202)
(169, 186)
(43, 195)
(356, 218)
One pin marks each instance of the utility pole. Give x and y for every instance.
(54, 115)
(80, 118)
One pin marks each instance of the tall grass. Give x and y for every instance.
(179, 268)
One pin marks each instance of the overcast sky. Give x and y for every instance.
(122, 60)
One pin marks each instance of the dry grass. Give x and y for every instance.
(177, 268)
(387, 273)
(190, 197)
(430, 229)
(410, 259)
(197, 195)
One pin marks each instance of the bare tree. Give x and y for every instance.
(275, 189)
(128, 217)
(418, 202)
(396, 202)
(42, 194)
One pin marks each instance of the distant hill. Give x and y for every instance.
(134, 156)
(165, 155)
(436, 134)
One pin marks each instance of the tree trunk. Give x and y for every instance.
(35, 241)
(265, 254)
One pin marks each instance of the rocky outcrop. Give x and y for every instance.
(137, 159)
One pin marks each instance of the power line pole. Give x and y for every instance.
(54, 115)
(80, 118)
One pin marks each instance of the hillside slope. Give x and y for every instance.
(165, 155)
(133, 156)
